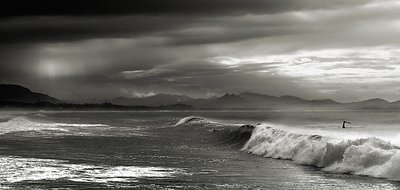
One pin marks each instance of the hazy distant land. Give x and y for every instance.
(15, 96)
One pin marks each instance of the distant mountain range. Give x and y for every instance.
(16, 93)
(248, 100)
(245, 100)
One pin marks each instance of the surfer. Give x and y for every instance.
(344, 123)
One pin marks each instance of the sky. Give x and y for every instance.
(345, 50)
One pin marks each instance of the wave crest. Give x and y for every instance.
(193, 120)
(366, 156)
(22, 123)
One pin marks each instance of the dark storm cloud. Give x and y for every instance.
(310, 48)
(174, 30)
(62, 29)
(223, 35)
(65, 20)
(161, 7)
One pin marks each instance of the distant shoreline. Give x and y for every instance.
(86, 106)
(47, 106)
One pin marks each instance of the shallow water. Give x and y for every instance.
(145, 150)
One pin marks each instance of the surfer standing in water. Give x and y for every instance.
(344, 123)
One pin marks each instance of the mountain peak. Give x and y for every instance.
(232, 97)
(375, 100)
(14, 88)
(291, 98)
(324, 101)
(229, 95)
(17, 93)
(244, 94)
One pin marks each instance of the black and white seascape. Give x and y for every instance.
(200, 94)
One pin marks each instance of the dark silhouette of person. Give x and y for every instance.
(344, 123)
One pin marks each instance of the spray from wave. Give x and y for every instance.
(363, 156)
(22, 123)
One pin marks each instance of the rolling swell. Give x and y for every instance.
(237, 137)
(232, 135)
(365, 156)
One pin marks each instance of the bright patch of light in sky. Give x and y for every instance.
(357, 65)
(57, 68)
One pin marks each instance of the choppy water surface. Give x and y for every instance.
(147, 150)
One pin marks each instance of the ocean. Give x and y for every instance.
(207, 149)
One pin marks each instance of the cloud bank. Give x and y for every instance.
(341, 49)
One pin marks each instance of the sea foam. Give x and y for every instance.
(365, 156)
(23, 123)
(17, 169)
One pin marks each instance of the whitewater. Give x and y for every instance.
(358, 155)
(364, 156)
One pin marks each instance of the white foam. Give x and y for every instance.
(79, 125)
(23, 123)
(5, 116)
(364, 156)
(17, 169)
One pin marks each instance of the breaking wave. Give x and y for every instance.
(23, 123)
(365, 156)
(232, 135)
(194, 120)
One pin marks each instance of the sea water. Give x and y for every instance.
(199, 150)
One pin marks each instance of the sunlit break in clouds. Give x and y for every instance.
(346, 50)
